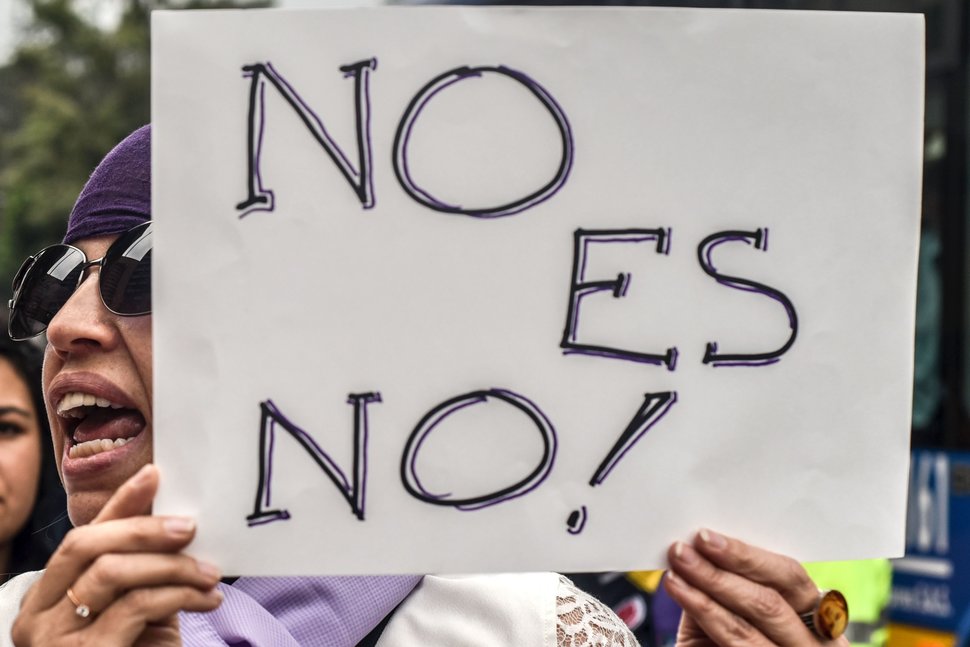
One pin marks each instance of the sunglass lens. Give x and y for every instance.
(126, 273)
(44, 288)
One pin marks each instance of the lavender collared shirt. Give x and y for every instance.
(296, 611)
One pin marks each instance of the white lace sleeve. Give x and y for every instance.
(584, 621)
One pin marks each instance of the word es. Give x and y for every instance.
(582, 287)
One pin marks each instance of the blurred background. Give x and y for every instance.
(74, 80)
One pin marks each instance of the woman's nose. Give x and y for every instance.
(83, 324)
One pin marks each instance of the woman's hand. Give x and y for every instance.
(736, 594)
(128, 569)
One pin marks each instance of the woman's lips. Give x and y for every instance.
(67, 388)
(81, 467)
(103, 428)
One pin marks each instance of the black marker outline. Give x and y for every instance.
(353, 492)
(759, 238)
(579, 288)
(260, 198)
(576, 520)
(655, 406)
(436, 415)
(439, 83)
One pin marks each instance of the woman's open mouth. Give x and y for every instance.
(95, 425)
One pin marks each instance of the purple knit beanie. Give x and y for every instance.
(118, 195)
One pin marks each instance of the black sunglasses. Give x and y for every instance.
(47, 280)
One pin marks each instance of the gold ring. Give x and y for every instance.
(82, 610)
(830, 616)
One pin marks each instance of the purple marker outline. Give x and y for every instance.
(759, 238)
(580, 288)
(361, 181)
(434, 417)
(399, 156)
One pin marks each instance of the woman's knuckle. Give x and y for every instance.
(797, 576)
(139, 600)
(106, 570)
(71, 546)
(768, 603)
(740, 631)
(743, 559)
(706, 606)
(719, 580)
(749, 561)
(172, 570)
(142, 533)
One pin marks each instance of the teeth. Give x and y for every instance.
(76, 405)
(70, 405)
(92, 447)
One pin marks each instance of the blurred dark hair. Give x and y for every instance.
(48, 522)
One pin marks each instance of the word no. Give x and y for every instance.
(653, 408)
(260, 198)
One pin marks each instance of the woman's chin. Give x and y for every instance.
(83, 507)
(87, 496)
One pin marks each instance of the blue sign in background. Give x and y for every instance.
(931, 584)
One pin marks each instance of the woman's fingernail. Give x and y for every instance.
(215, 594)
(209, 570)
(675, 579)
(684, 553)
(179, 526)
(713, 539)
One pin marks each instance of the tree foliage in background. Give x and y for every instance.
(70, 92)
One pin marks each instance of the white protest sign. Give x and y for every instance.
(464, 289)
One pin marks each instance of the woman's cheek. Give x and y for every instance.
(20, 474)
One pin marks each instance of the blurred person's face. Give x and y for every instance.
(98, 390)
(20, 453)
